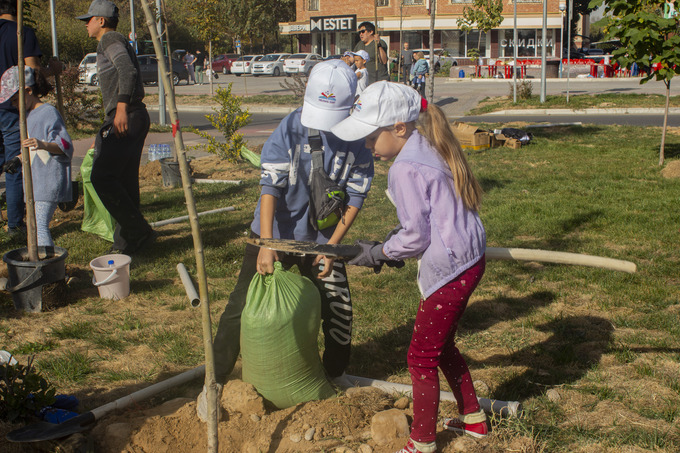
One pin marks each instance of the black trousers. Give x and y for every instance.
(115, 176)
(336, 314)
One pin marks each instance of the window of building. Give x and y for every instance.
(462, 1)
(383, 2)
(528, 43)
(313, 5)
(412, 2)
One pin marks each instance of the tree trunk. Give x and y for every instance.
(31, 229)
(430, 88)
(210, 383)
(665, 122)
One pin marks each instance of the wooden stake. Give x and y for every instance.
(31, 231)
(210, 383)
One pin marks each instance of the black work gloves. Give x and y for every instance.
(12, 166)
(372, 256)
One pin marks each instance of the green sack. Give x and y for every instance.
(250, 156)
(96, 219)
(279, 330)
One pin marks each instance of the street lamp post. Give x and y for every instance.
(563, 7)
(569, 18)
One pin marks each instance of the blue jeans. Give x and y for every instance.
(10, 146)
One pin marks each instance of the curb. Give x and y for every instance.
(252, 108)
(591, 111)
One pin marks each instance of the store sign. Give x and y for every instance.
(526, 43)
(332, 23)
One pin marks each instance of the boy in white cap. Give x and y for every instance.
(283, 211)
(360, 59)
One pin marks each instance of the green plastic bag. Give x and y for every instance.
(279, 330)
(250, 156)
(96, 219)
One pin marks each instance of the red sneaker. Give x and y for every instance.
(456, 425)
(411, 448)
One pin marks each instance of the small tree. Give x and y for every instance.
(647, 39)
(484, 15)
(228, 119)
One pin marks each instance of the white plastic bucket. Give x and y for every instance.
(111, 276)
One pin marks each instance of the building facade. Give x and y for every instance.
(328, 27)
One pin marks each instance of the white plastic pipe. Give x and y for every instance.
(503, 408)
(217, 181)
(500, 253)
(194, 300)
(186, 217)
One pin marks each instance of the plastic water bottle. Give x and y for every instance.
(152, 153)
(166, 151)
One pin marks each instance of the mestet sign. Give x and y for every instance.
(332, 23)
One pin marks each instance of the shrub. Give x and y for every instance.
(229, 117)
(445, 69)
(81, 108)
(297, 86)
(524, 90)
(23, 392)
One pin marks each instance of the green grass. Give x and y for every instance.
(577, 102)
(602, 338)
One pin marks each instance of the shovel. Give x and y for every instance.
(337, 251)
(48, 431)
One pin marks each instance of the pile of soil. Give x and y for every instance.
(248, 424)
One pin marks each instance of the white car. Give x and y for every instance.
(244, 64)
(301, 63)
(88, 70)
(271, 64)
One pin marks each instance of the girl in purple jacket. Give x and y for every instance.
(437, 198)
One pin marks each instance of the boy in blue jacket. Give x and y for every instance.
(283, 212)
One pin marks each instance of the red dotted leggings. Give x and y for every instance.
(433, 345)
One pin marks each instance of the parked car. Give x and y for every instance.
(88, 70)
(271, 64)
(243, 65)
(222, 63)
(148, 66)
(301, 63)
(333, 57)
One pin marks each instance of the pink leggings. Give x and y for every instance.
(433, 345)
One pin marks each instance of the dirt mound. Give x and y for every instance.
(671, 170)
(249, 424)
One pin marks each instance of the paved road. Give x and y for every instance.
(455, 96)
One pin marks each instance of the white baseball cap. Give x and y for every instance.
(363, 54)
(381, 104)
(329, 95)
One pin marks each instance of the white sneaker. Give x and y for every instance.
(202, 404)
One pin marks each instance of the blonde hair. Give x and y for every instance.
(420, 55)
(433, 125)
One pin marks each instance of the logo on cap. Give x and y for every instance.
(328, 98)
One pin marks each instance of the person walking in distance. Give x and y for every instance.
(189, 61)
(406, 62)
(120, 141)
(437, 198)
(198, 67)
